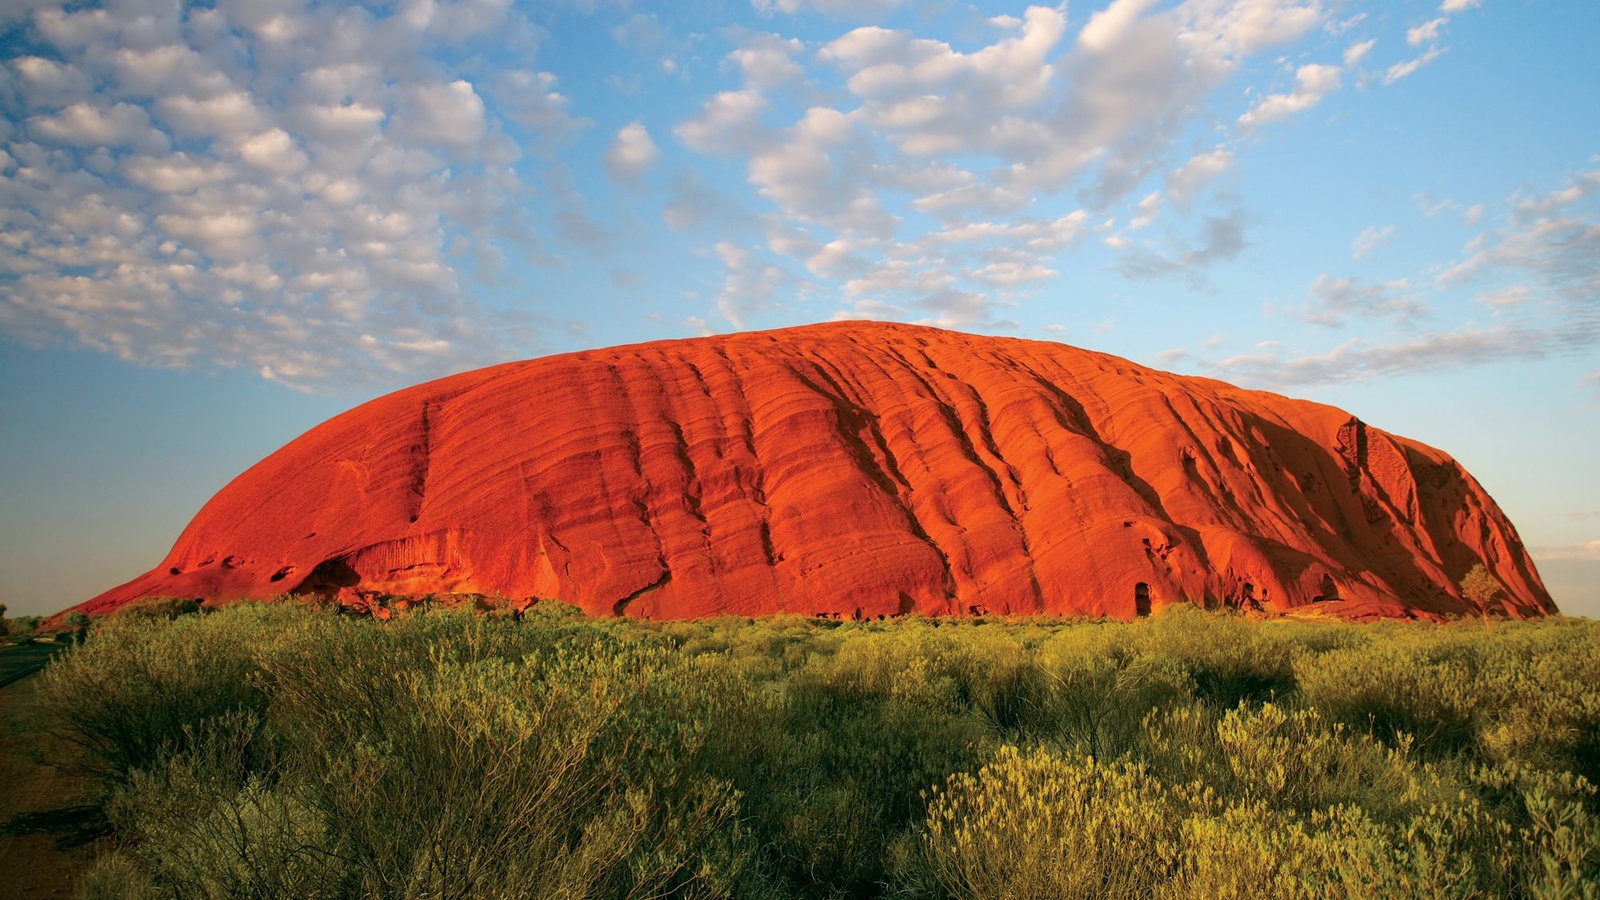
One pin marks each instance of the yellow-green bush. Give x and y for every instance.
(1037, 825)
(278, 750)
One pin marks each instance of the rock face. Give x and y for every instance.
(851, 469)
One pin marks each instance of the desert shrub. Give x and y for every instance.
(116, 875)
(1523, 692)
(1407, 685)
(1292, 761)
(124, 698)
(286, 751)
(539, 777)
(1101, 683)
(442, 756)
(19, 628)
(212, 821)
(1537, 695)
(836, 768)
(1563, 838)
(1032, 824)
(158, 608)
(1230, 659)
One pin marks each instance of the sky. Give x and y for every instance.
(223, 222)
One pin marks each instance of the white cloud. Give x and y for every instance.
(691, 204)
(1426, 33)
(631, 153)
(1585, 551)
(1312, 83)
(842, 9)
(1402, 69)
(176, 174)
(50, 83)
(279, 187)
(1516, 295)
(931, 100)
(1240, 28)
(449, 114)
(728, 123)
(1184, 184)
(1371, 238)
(1553, 238)
(1355, 360)
(749, 284)
(274, 151)
(1147, 211)
(1013, 274)
(1109, 26)
(1331, 301)
(1357, 52)
(531, 100)
(1455, 6)
(223, 115)
(88, 125)
(1221, 239)
(873, 184)
(767, 61)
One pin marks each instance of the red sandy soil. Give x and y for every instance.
(852, 469)
(42, 862)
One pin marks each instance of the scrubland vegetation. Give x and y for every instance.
(283, 751)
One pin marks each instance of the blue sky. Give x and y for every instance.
(222, 223)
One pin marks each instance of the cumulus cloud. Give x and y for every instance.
(767, 61)
(728, 123)
(1551, 238)
(749, 284)
(631, 153)
(962, 135)
(1312, 83)
(1332, 301)
(1371, 238)
(1355, 53)
(1536, 270)
(1426, 33)
(840, 9)
(1186, 182)
(281, 188)
(1221, 239)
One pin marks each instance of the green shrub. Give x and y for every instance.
(124, 698)
(1037, 825)
(279, 750)
(159, 607)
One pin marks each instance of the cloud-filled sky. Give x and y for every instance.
(222, 222)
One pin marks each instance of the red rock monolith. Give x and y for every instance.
(852, 469)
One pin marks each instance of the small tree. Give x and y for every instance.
(78, 622)
(1479, 588)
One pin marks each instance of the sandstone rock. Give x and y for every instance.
(851, 469)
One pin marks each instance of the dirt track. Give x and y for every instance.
(20, 662)
(42, 860)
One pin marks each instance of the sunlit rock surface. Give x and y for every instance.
(857, 469)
